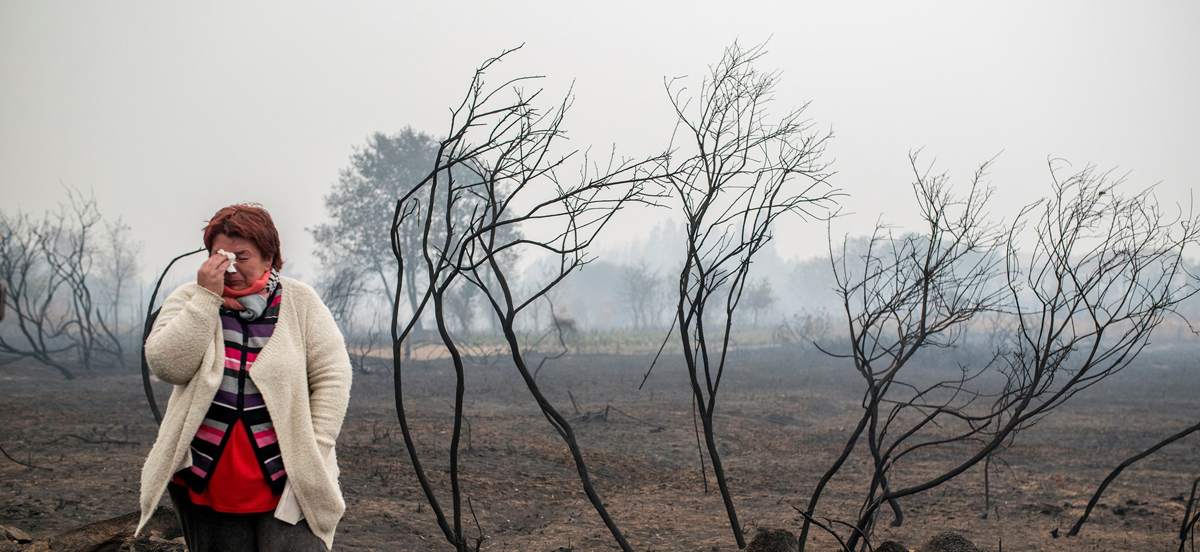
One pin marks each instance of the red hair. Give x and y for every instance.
(248, 221)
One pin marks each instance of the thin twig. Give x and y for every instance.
(6, 455)
(478, 540)
(822, 526)
(92, 441)
(573, 403)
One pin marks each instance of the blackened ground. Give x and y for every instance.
(781, 419)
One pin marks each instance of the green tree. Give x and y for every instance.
(759, 298)
(355, 247)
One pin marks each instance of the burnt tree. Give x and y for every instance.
(1084, 276)
(496, 191)
(48, 267)
(901, 295)
(743, 170)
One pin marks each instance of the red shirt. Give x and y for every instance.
(237, 485)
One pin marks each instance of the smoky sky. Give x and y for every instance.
(169, 111)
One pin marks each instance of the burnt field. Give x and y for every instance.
(779, 425)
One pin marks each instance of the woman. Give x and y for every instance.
(262, 380)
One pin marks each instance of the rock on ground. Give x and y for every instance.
(161, 534)
(891, 546)
(10, 537)
(774, 540)
(949, 542)
(14, 534)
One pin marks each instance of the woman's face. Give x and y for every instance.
(250, 262)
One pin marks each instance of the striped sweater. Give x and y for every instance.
(238, 398)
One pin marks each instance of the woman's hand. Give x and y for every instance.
(211, 275)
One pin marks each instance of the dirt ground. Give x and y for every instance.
(779, 425)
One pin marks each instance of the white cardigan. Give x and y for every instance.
(303, 373)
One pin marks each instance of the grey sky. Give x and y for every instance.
(168, 111)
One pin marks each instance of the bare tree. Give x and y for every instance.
(498, 170)
(903, 294)
(48, 268)
(1106, 271)
(1085, 275)
(806, 330)
(746, 170)
(344, 291)
(640, 292)
(759, 299)
(461, 305)
(35, 295)
(118, 272)
(355, 307)
(362, 346)
(70, 252)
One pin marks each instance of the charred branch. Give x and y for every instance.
(497, 172)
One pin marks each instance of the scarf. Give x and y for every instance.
(252, 301)
(239, 399)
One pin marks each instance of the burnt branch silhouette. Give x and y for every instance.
(1116, 472)
(1085, 275)
(1191, 516)
(497, 191)
(902, 294)
(746, 170)
(48, 268)
(147, 325)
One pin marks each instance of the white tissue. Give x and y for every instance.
(232, 260)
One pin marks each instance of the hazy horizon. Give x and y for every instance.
(168, 112)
